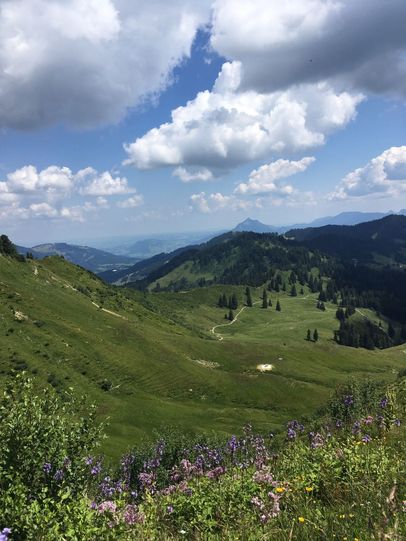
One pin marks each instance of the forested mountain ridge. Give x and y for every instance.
(379, 241)
(234, 258)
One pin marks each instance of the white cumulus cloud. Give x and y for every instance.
(383, 176)
(227, 127)
(354, 43)
(264, 179)
(208, 203)
(86, 62)
(131, 202)
(191, 175)
(103, 183)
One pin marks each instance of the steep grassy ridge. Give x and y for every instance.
(149, 360)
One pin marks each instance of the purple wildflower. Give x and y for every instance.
(96, 469)
(58, 475)
(348, 400)
(107, 507)
(291, 434)
(356, 427)
(396, 422)
(169, 509)
(339, 424)
(88, 461)
(47, 467)
(384, 402)
(367, 438)
(216, 472)
(132, 516)
(5, 532)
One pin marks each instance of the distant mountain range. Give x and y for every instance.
(344, 218)
(85, 256)
(379, 242)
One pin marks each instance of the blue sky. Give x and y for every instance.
(268, 127)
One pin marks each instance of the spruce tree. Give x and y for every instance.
(230, 315)
(248, 295)
(234, 302)
(309, 335)
(315, 335)
(293, 292)
(264, 299)
(270, 302)
(220, 302)
(278, 306)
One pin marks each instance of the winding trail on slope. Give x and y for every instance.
(217, 334)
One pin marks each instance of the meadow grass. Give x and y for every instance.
(153, 362)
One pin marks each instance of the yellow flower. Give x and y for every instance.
(356, 539)
(309, 489)
(342, 516)
(280, 489)
(301, 519)
(351, 515)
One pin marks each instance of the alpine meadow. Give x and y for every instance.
(202, 270)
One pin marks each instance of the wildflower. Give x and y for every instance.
(169, 509)
(5, 532)
(404, 506)
(339, 423)
(132, 516)
(47, 467)
(341, 516)
(291, 434)
(107, 506)
(396, 422)
(96, 469)
(309, 489)
(348, 400)
(368, 420)
(384, 402)
(301, 520)
(58, 475)
(367, 438)
(279, 490)
(88, 461)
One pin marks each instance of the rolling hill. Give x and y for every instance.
(90, 258)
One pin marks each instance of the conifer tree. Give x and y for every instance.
(309, 335)
(293, 292)
(220, 302)
(230, 315)
(270, 302)
(248, 295)
(315, 335)
(278, 306)
(391, 331)
(264, 299)
(234, 302)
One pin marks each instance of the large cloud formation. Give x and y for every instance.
(86, 62)
(227, 127)
(383, 176)
(29, 193)
(353, 43)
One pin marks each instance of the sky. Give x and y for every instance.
(128, 118)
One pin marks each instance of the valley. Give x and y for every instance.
(149, 360)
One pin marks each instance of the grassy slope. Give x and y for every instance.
(151, 354)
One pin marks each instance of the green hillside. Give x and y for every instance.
(149, 360)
